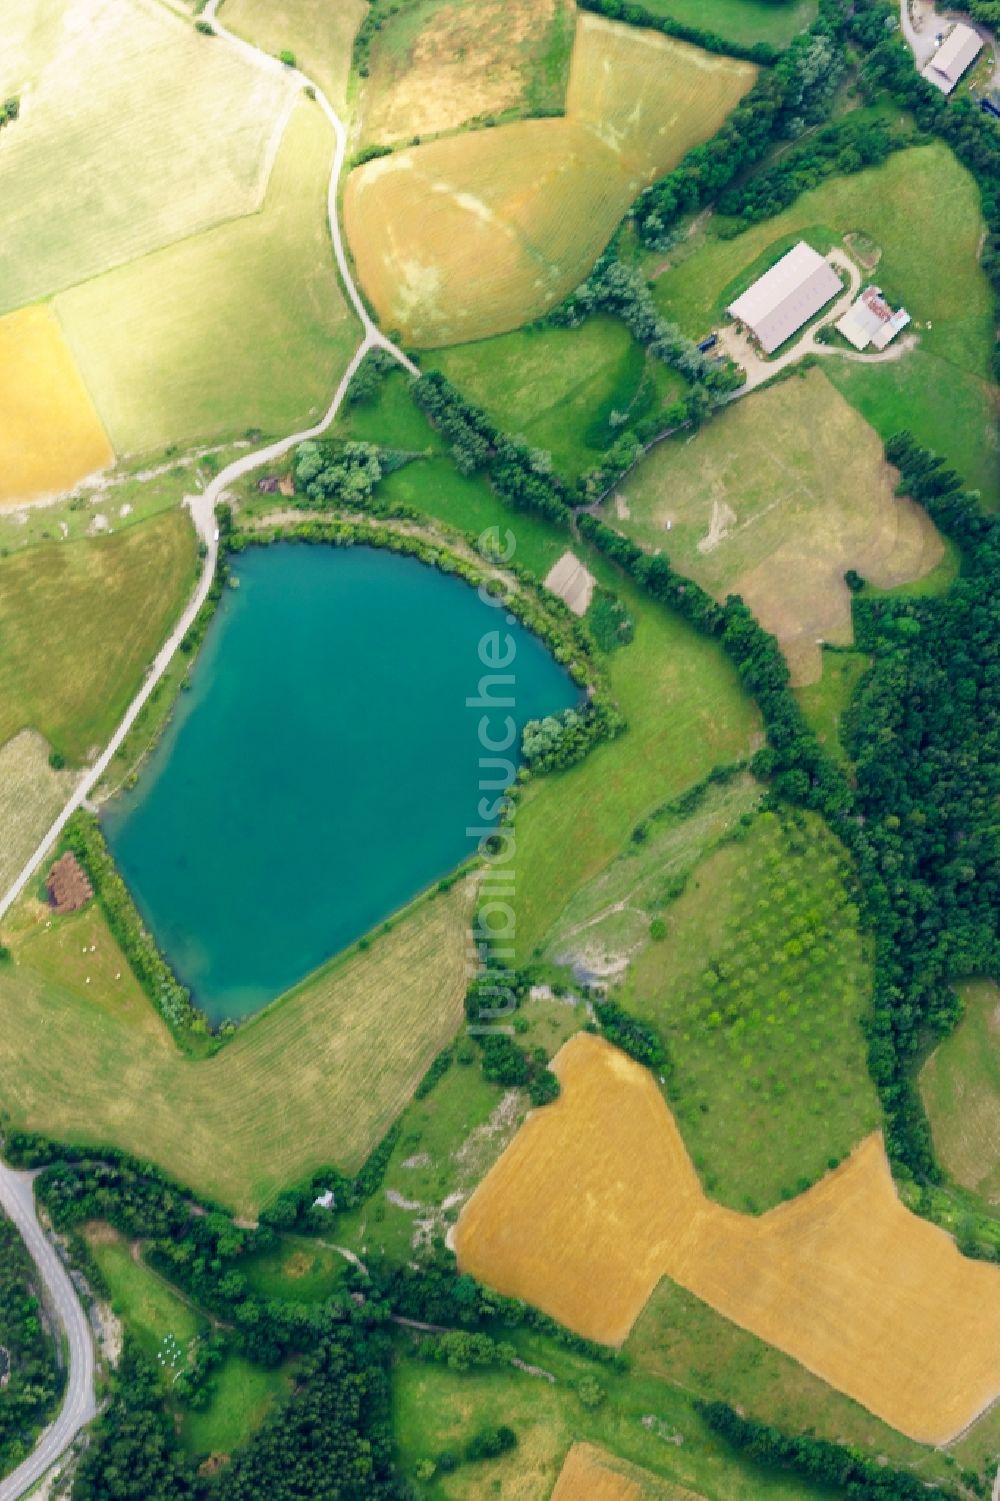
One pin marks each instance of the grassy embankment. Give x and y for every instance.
(941, 391)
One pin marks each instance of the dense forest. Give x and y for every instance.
(32, 1379)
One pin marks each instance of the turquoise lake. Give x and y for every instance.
(322, 770)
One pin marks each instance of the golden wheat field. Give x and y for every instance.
(51, 435)
(477, 233)
(596, 1199)
(591, 1474)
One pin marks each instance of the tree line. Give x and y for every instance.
(699, 36)
(32, 1381)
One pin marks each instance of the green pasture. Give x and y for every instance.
(741, 21)
(825, 702)
(678, 1339)
(558, 387)
(242, 1396)
(135, 132)
(643, 1420)
(930, 261)
(163, 1324)
(960, 1085)
(299, 1269)
(243, 327)
(80, 622)
(759, 990)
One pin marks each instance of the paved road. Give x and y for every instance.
(18, 1202)
(202, 506)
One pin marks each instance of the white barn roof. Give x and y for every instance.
(959, 49)
(872, 321)
(787, 296)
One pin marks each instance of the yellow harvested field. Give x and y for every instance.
(596, 1199)
(774, 501)
(477, 233)
(51, 435)
(591, 1474)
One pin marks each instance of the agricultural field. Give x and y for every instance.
(438, 64)
(319, 35)
(242, 1397)
(51, 437)
(591, 1474)
(758, 987)
(951, 310)
(436, 1410)
(536, 200)
(825, 701)
(597, 1199)
(774, 500)
(559, 388)
(686, 713)
(741, 21)
(317, 1077)
(960, 1085)
(101, 608)
(31, 794)
(177, 135)
(606, 925)
(243, 327)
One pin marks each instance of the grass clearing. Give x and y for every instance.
(741, 21)
(242, 1397)
(320, 35)
(241, 327)
(773, 500)
(31, 794)
(436, 66)
(163, 1324)
(154, 131)
(960, 1085)
(51, 436)
(534, 201)
(558, 387)
(825, 701)
(300, 1269)
(759, 992)
(79, 624)
(942, 389)
(597, 1199)
(317, 1077)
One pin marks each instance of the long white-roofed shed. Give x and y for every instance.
(956, 53)
(787, 296)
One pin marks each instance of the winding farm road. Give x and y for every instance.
(18, 1201)
(16, 1195)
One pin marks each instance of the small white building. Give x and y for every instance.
(954, 57)
(788, 295)
(871, 321)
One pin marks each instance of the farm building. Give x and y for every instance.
(787, 296)
(872, 321)
(68, 885)
(956, 53)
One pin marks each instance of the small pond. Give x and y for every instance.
(323, 768)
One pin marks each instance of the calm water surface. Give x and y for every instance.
(322, 770)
